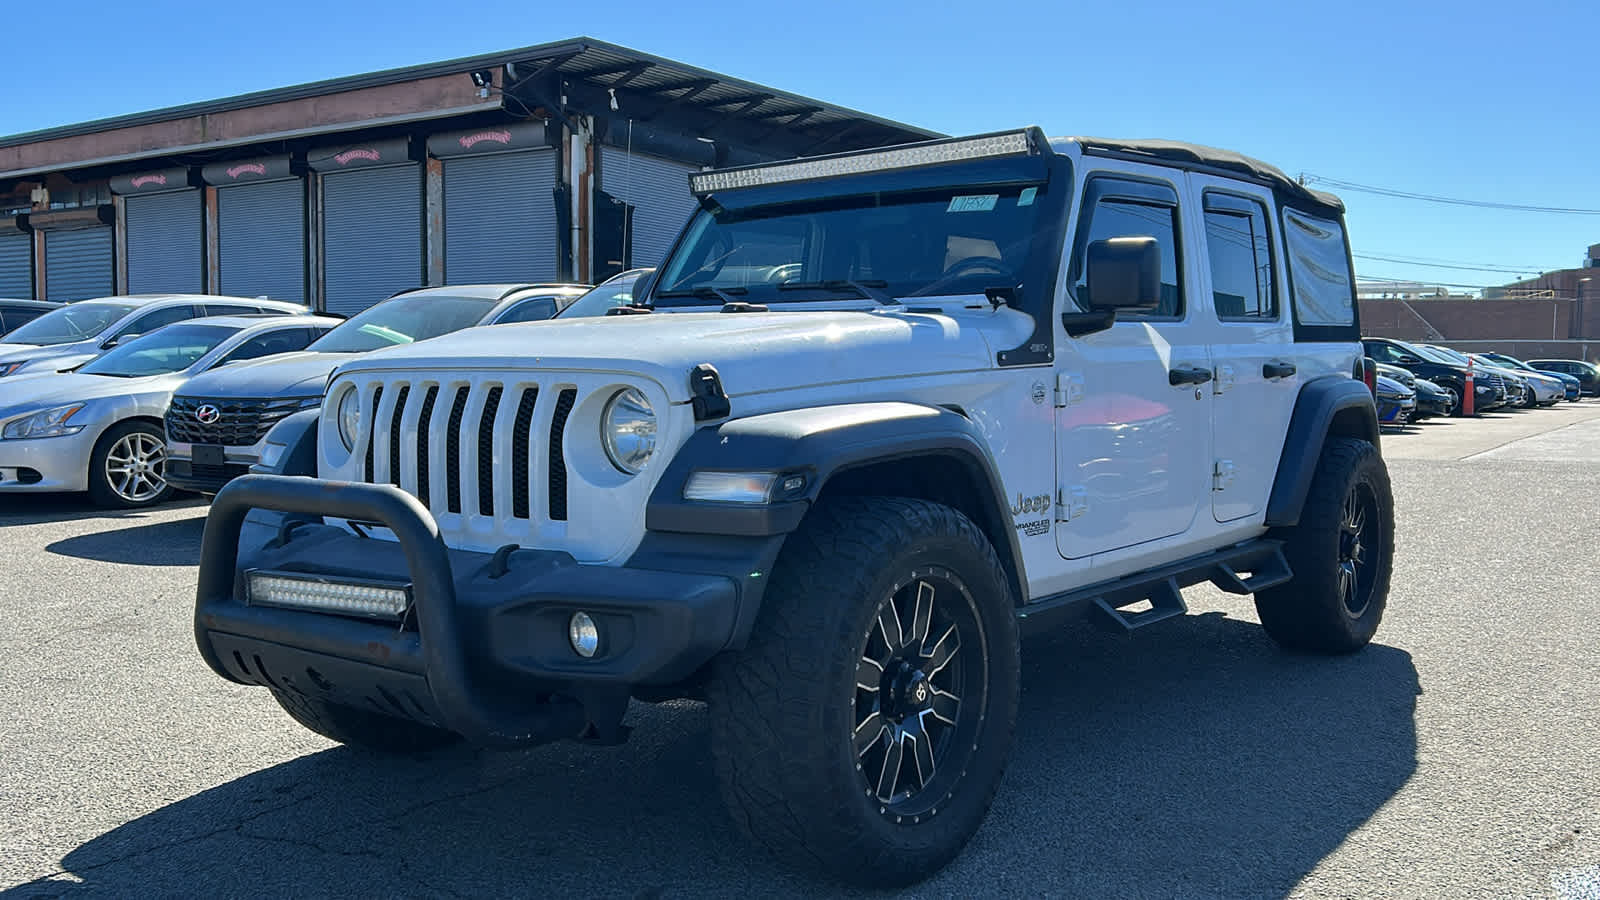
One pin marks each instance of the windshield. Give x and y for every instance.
(77, 322)
(172, 349)
(929, 243)
(404, 320)
(1509, 362)
(1438, 355)
(614, 293)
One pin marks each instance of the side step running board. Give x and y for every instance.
(1242, 569)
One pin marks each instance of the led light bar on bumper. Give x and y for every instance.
(289, 591)
(988, 146)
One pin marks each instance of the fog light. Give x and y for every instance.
(372, 601)
(583, 634)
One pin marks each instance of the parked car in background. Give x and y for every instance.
(609, 294)
(241, 403)
(1396, 402)
(16, 313)
(1396, 373)
(1587, 373)
(1432, 400)
(1489, 392)
(78, 332)
(1573, 387)
(99, 429)
(1538, 390)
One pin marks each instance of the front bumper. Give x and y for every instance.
(483, 650)
(48, 464)
(184, 472)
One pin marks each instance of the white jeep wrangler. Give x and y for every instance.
(875, 417)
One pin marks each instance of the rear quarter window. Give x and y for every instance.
(1319, 274)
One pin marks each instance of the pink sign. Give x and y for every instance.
(143, 180)
(247, 169)
(499, 137)
(365, 153)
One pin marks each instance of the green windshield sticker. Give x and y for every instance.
(1026, 199)
(973, 203)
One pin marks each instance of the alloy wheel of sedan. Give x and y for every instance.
(136, 466)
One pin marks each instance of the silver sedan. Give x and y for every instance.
(98, 429)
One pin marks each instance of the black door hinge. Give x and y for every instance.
(708, 399)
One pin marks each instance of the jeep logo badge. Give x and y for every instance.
(208, 415)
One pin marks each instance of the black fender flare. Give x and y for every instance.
(815, 443)
(1321, 401)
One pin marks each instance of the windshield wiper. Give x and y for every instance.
(726, 294)
(870, 289)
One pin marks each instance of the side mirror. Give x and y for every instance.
(1119, 273)
(1124, 273)
(1408, 359)
(117, 339)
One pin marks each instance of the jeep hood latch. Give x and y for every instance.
(708, 398)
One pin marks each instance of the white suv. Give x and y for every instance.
(874, 417)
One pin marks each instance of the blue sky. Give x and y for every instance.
(1484, 101)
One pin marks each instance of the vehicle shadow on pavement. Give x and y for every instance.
(39, 509)
(170, 543)
(1196, 761)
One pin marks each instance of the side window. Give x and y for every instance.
(285, 341)
(1243, 286)
(1319, 270)
(536, 309)
(231, 309)
(160, 318)
(1117, 216)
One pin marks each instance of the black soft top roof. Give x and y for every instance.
(1199, 155)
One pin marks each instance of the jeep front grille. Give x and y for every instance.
(240, 422)
(498, 455)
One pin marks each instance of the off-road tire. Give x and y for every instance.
(784, 710)
(1312, 612)
(101, 492)
(359, 728)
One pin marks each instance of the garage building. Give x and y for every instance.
(562, 162)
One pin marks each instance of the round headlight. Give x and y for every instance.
(628, 430)
(349, 416)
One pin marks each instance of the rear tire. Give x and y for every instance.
(359, 728)
(853, 734)
(1341, 554)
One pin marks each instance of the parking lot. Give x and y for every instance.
(1453, 757)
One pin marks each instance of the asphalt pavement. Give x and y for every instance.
(1455, 757)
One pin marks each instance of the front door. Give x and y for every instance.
(1133, 417)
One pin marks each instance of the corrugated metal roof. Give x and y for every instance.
(591, 61)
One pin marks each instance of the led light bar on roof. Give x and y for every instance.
(990, 146)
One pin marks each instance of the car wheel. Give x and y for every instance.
(1341, 554)
(864, 735)
(360, 728)
(127, 467)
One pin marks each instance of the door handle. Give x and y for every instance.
(1188, 376)
(1277, 369)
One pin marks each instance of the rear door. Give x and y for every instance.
(1133, 425)
(1252, 345)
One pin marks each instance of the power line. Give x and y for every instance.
(1413, 261)
(1453, 201)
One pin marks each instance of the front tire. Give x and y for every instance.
(359, 728)
(1341, 554)
(865, 727)
(127, 468)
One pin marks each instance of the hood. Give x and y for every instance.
(57, 390)
(1387, 385)
(753, 352)
(302, 374)
(10, 353)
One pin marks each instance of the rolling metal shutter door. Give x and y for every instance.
(658, 189)
(372, 235)
(261, 240)
(500, 218)
(164, 243)
(16, 266)
(77, 264)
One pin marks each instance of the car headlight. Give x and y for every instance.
(10, 367)
(45, 423)
(628, 430)
(348, 415)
